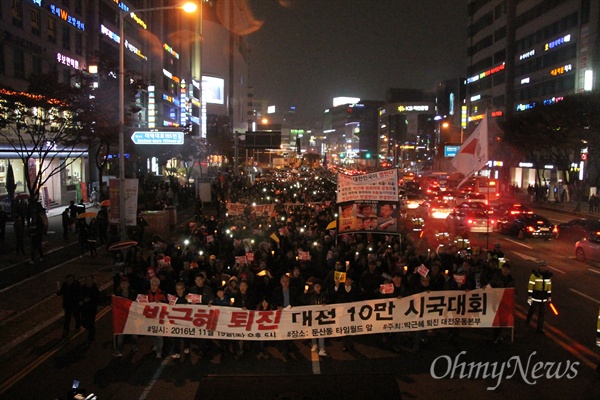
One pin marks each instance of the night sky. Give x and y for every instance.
(308, 51)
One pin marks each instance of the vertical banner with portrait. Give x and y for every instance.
(368, 203)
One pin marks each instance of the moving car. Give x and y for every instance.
(463, 220)
(411, 201)
(511, 208)
(527, 226)
(470, 198)
(434, 209)
(577, 229)
(588, 248)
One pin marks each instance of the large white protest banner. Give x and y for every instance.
(482, 308)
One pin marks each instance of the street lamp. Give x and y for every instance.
(446, 125)
(188, 7)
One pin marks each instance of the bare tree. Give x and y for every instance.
(38, 125)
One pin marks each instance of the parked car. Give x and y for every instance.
(463, 220)
(588, 248)
(577, 229)
(527, 226)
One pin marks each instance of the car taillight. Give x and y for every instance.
(530, 229)
(469, 221)
(555, 230)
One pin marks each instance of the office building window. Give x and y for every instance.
(66, 76)
(16, 11)
(35, 22)
(66, 37)
(77, 6)
(2, 61)
(51, 30)
(36, 65)
(19, 63)
(78, 43)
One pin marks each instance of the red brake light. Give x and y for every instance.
(530, 229)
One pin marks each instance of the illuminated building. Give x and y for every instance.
(521, 54)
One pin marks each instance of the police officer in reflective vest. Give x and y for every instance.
(539, 292)
(598, 338)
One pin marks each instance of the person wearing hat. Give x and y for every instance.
(539, 293)
(497, 252)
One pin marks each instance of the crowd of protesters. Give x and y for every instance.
(205, 260)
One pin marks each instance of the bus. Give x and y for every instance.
(435, 182)
(483, 185)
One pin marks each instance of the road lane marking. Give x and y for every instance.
(45, 356)
(586, 296)
(154, 379)
(557, 270)
(530, 258)
(584, 354)
(519, 243)
(594, 271)
(525, 256)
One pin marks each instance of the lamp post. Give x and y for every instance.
(187, 7)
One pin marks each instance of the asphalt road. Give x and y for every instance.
(48, 365)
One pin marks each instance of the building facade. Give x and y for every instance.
(522, 54)
(192, 68)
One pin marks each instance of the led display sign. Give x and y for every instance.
(413, 108)
(138, 20)
(170, 50)
(121, 5)
(485, 74)
(64, 15)
(66, 60)
(561, 70)
(213, 90)
(528, 54)
(557, 42)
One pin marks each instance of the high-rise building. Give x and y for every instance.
(191, 69)
(525, 53)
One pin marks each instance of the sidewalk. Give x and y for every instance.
(31, 314)
(568, 207)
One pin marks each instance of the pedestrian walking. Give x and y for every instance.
(92, 237)
(539, 293)
(36, 234)
(66, 223)
(70, 291)
(3, 219)
(82, 232)
(19, 228)
(90, 297)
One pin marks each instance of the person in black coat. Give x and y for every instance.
(70, 290)
(90, 297)
(346, 292)
(66, 224)
(285, 296)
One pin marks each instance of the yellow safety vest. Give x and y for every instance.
(598, 330)
(540, 286)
